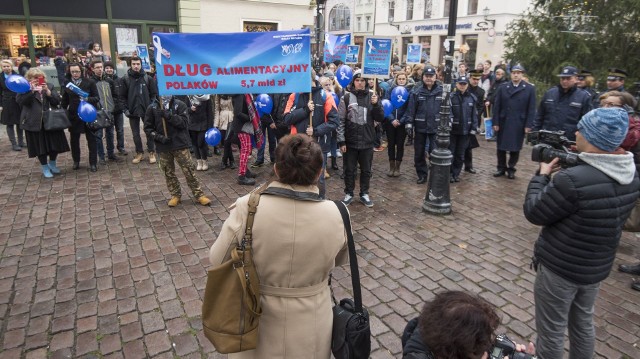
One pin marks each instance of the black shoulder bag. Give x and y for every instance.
(104, 119)
(351, 336)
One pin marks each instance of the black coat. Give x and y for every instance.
(413, 347)
(514, 109)
(463, 113)
(177, 126)
(71, 101)
(10, 108)
(137, 91)
(582, 210)
(117, 95)
(240, 113)
(34, 110)
(202, 118)
(561, 111)
(423, 110)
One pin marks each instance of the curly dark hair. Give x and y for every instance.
(298, 160)
(457, 325)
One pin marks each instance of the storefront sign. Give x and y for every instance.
(414, 53)
(233, 63)
(143, 54)
(443, 26)
(377, 57)
(352, 54)
(335, 47)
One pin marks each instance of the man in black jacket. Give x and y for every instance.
(70, 102)
(582, 210)
(137, 91)
(358, 110)
(118, 115)
(166, 122)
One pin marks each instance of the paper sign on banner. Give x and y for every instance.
(335, 47)
(414, 53)
(143, 54)
(233, 63)
(376, 57)
(352, 54)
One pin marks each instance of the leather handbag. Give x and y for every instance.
(103, 119)
(231, 308)
(351, 335)
(56, 119)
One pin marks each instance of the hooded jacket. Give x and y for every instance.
(177, 125)
(582, 210)
(137, 91)
(107, 91)
(354, 132)
(202, 118)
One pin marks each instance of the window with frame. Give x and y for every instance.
(368, 22)
(359, 22)
(428, 8)
(472, 7)
(392, 10)
(447, 5)
(339, 18)
(409, 9)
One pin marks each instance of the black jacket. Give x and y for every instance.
(137, 90)
(34, 110)
(240, 113)
(561, 111)
(202, 118)
(117, 96)
(351, 132)
(10, 109)
(423, 110)
(582, 210)
(70, 102)
(413, 347)
(480, 108)
(463, 113)
(177, 126)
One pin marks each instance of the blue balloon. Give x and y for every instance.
(323, 94)
(336, 98)
(344, 75)
(399, 96)
(87, 112)
(213, 136)
(17, 84)
(264, 104)
(387, 107)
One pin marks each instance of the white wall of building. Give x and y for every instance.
(229, 15)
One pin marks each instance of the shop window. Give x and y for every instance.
(50, 39)
(253, 26)
(471, 49)
(426, 47)
(13, 40)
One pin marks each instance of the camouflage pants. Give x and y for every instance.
(167, 166)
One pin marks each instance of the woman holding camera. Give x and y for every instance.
(35, 105)
(297, 240)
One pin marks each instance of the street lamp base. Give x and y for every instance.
(438, 199)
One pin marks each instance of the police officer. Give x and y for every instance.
(562, 106)
(423, 112)
(463, 122)
(474, 87)
(167, 123)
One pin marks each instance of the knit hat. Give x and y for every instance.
(605, 128)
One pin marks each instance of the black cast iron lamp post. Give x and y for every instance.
(438, 197)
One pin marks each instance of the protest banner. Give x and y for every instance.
(143, 54)
(414, 53)
(353, 52)
(376, 58)
(233, 63)
(335, 47)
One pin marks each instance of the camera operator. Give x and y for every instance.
(582, 210)
(455, 325)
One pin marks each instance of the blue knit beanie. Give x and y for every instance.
(605, 128)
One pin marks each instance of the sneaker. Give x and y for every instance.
(123, 152)
(378, 149)
(366, 201)
(137, 158)
(257, 164)
(203, 200)
(173, 201)
(348, 198)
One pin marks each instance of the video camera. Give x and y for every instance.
(548, 145)
(505, 347)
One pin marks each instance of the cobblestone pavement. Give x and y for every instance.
(97, 265)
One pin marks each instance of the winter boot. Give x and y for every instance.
(396, 172)
(243, 180)
(46, 171)
(392, 168)
(53, 167)
(199, 165)
(334, 164)
(205, 165)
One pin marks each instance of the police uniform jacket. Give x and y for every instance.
(463, 112)
(514, 109)
(582, 209)
(561, 111)
(424, 108)
(71, 101)
(177, 125)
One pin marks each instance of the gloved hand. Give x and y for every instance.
(160, 138)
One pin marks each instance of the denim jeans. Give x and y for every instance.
(321, 183)
(99, 134)
(333, 144)
(119, 125)
(270, 135)
(135, 123)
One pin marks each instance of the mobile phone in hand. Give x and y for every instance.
(42, 81)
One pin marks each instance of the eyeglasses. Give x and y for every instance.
(76, 72)
(609, 104)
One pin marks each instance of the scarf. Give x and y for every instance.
(255, 119)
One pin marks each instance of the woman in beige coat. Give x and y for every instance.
(297, 240)
(222, 119)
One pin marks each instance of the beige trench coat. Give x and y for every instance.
(224, 113)
(296, 244)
